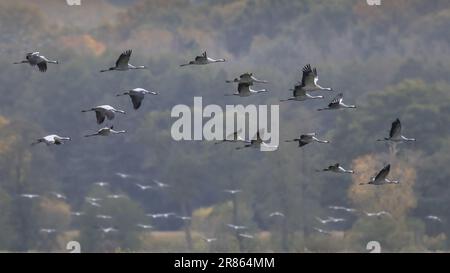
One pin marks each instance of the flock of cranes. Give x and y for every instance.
(102, 112)
(302, 91)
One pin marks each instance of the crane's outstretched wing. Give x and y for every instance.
(308, 76)
(137, 101)
(383, 173)
(396, 129)
(124, 58)
(100, 117)
(110, 115)
(298, 91)
(336, 100)
(42, 66)
(243, 88)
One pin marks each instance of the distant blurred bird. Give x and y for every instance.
(233, 192)
(306, 139)
(337, 104)
(342, 208)
(102, 216)
(51, 139)
(116, 196)
(35, 59)
(208, 240)
(184, 218)
(322, 231)
(336, 168)
(104, 111)
(330, 220)
(202, 60)
(160, 184)
(381, 178)
(276, 213)
(94, 204)
(236, 227)
(244, 90)
(122, 63)
(47, 230)
(395, 134)
(101, 184)
(144, 187)
(245, 235)
(29, 196)
(124, 175)
(161, 215)
(106, 131)
(58, 195)
(93, 199)
(144, 226)
(77, 213)
(108, 230)
(310, 80)
(434, 218)
(247, 78)
(137, 96)
(378, 214)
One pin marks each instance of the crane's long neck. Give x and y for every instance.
(314, 97)
(109, 69)
(258, 91)
(324, 88)
(37, 141)
(22, 62)
(323, 109)
(257, 80)
(319, 140)
(231, 81)
(138, 67)
(217, 61)
(348, 106)
(408, 139)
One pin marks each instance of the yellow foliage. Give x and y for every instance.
(396, 199)
(152, 39)
(3, 122)
(231, 8)
(84, 43)
(435, 242)
(203, 212)
(55, 213)
(5, 142)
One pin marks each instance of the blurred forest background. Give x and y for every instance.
(391, 60)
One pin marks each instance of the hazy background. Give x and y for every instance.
(392, 61)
